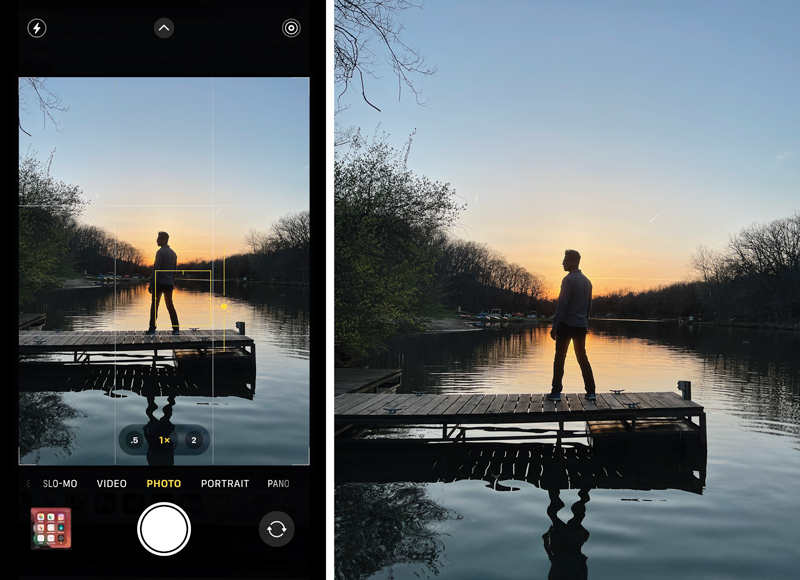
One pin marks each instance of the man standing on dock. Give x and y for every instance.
(570, 323)
(162, 283)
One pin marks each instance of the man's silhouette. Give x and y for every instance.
(162, 282)
(570, 323)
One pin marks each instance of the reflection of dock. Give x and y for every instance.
(462, 411)
(144, 380)
(547, 466)
(83, 343)
(365, 380)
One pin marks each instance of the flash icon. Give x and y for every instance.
(37, 28)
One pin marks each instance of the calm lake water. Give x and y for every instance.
(734, 517)
(260, 420)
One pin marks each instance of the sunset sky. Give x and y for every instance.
(630, 131)
(203, 159)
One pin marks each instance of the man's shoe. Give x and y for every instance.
(554, 397)
(149, 332)
(176, 332)
(591, 396)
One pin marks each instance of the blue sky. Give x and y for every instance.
(203, 159)
(630, 131)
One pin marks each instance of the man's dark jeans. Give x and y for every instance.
(564, 334)
(166, 291)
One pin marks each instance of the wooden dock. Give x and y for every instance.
(27, 321)
(348, 380)
(462, 411)
(83, 343)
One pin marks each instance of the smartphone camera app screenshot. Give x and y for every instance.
(166, 424)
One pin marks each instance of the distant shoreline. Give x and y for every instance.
(458, 325)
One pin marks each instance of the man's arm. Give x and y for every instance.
(156, 266)
(563, 299)
(561, 308)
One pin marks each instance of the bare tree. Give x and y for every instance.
(362, 28)
(33, 93)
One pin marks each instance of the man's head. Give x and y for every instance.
(163, 238)
(571, 260)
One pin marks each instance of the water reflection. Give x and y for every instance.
(43, 421)
(159, 433)
(753, 372)
(501, 465)
(383, 516)
(563, 541)
(254, 414)
(748, 380)
(379, 526)
(44, 415)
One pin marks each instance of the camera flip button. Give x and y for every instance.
(276, 529)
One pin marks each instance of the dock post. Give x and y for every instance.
(703, 433)
(686, 387)
(240, 326)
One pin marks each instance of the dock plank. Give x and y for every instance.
(388, 402)
(364, 401)
(574, 402)
(414, 406)
(435, 400)
(600, 403)
(456, 405)
(484, 404)
(551, 406)
(613, 402)
(471, 404)
(640, 402)
(523, 404)
(652, 401)
(442, 405)
(497, 404)
(510, 404)
(400, 402)
(341, 404)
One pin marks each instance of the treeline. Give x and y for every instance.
(53, 244)
(95, 250)
(280, 255)
(394, 262)
(476, 277)
(754, 278)
(680, 299)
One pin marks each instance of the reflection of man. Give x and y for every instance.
(162, 282)
(160, 433)
(563, 541)
(570, 323)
